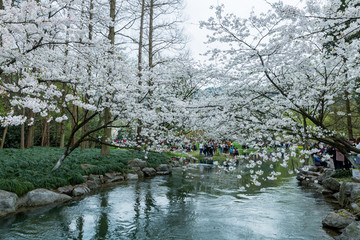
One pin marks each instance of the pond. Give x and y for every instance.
(196, 202)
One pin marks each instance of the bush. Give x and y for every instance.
(32, 168)
(76, 178)
(341, 173)
(16, 186)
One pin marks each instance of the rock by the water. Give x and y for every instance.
(113, 177)
(132, 176)
(355, 207)
(99, 179)
(149, 172)
(41, 196)
(355, 179)
(176, 164)
(351, 232)
(8, 201)
(331, 184)
(65, 190)
(338, 219)
(80, 190)
(92, 184)
(327, 173)
(163, 169)
(137, 163)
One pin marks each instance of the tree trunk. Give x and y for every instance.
(305, 139)
(151, 31)
(22, 135)
(74, 123)
(85, 144)
(105, 149)
(348, 116)
(1, 8)
(3, 137)
(62, 134)
(141, 36)
(85, 129)
(44, 133)
(30, 131)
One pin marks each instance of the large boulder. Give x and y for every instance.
(163, 169)
(132, 176)
(8, 201)
(338, 219)
(137, 163)
(41, 196)
(327, 173)
(137, 170)
(331, 184)
(351, 232)
(66, 190)
(80, 190)
(99, 179)
(351, 191)
(149, 172)
(113, 177)
(355, 179)
(92, 185)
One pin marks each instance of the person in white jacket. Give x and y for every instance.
(201, 147)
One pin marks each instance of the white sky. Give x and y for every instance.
(199, 10)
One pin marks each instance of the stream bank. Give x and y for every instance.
(345, 193)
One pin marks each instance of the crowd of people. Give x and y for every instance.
(210, 147)
(337, 159)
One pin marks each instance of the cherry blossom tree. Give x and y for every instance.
(69, 58)
(278, 79)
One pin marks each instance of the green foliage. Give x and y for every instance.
(341, 173)
(12, 139)
(17, 186)
(76, 178)
(32, 168)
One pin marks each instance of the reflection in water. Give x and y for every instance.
(103, 224)
(199, 202)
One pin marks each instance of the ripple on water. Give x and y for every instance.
(173, 207)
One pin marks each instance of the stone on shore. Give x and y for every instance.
(338, 219)
(351, 232)
(80, 190)
(41, 196)
(163, 169)
(132, 176)
(331, 184)
(149, 172)
(137, 163)
(66, 190)
(8, 202)
(113, 177)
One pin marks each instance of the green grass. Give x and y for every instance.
(24, 170)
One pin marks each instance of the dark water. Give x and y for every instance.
(196, 203)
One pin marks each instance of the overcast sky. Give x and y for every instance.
(198, 10)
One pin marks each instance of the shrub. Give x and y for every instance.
(341, 173)
(76, 178)
(16, 186)
(32, 168)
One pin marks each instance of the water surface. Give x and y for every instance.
(198, 202)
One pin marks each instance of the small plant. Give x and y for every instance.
(16, 186)
(341, 173)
